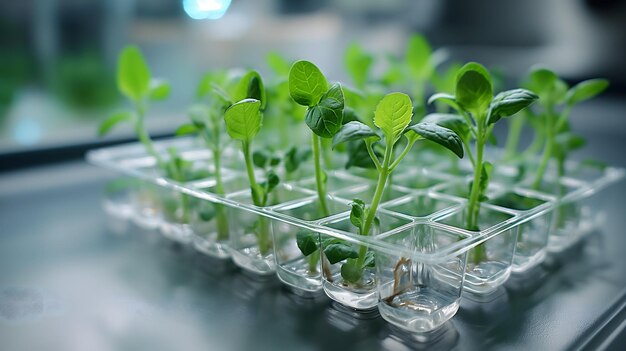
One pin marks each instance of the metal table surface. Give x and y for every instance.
(69, 282)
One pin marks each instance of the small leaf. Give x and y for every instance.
(442, 136)
(586, 90)
(112, 121)
(474, 89)
(325, 119)
(243, 119)
(358, 64)
(370, 260)
(159, 90)
(186, 129)
(337, 252)
(207, 212)
(453, 122)
(359, 157)
(570, 142)
(357, 214)
(260, 158)
(307, 84)
(418, 57)
(350, 272)
(392, 115)
(445, 98)
(510, 102)
(307, 242)
(272, 182)
(250, 86)
(294, 157)
(133, 74)
(353, 131)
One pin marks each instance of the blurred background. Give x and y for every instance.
(58, 57)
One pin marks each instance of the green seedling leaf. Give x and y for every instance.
(187, 129)
(112, 121)
(159, 90)
(307, 242)
(270, 183)
(567, 142)
(263, 159)
(307, 84)
(325, 119)
(546, 84)
(440, 135)
(445, 98)
(295, 157)
(358, 64)
(353, 131)
(474, 89)
(594, 164)
(586, 90)
(243, 119)
(351, 272)
(357, 214)
(510, 102)
(418, 54)
(370, 260)
(453, 122)
(349, 115)
(133, 74)
(393, 115)
(250, 86)
(207, 212)
(485, 174)
(337, 252)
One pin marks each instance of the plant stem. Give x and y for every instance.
(319, 180)
(262, 224)
(547, 151)
(222, 222)
(313, 259)
(473, 207)
(513, 137)
(371, 213)
(144, 137)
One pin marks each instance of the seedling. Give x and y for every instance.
(392, 117)
(135, 82)
(243, 122)
(474, 101)
(206, 121)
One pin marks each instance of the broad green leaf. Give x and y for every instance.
(370, 260)
(450, 121)
(358, 64)
(159, 90)
(337, 252)
(474, 89)
(418, 57)
(264, 158)
(349, 115)
(325, 119)
(359, 157)
(353, 131)
(351, 272)
(250, 86)
(186, 129)
(540, 80)
(133, 74)
(586, 90)
(307, 242)
(112, 121)
(278, 64)
(510, 102)
(440, 135)
(307, 84)
(243, 119)
(392, 115)
(445, 98)
(357, 214)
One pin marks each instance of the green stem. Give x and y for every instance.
(513, 137)
(221, 220)
(262, 227)
(547, 151)
(473, 209)
(319, 178)
(144, 137)
(371, 213)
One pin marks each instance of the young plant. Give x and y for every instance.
(392, 117)
(324, 116)
(473, 99)
(206, 122)
(243, 122)
(552, 121)
(136, 83)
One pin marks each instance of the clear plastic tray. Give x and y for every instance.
(513, 215)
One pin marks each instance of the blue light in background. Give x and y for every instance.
(206, 9)
(27, 132)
